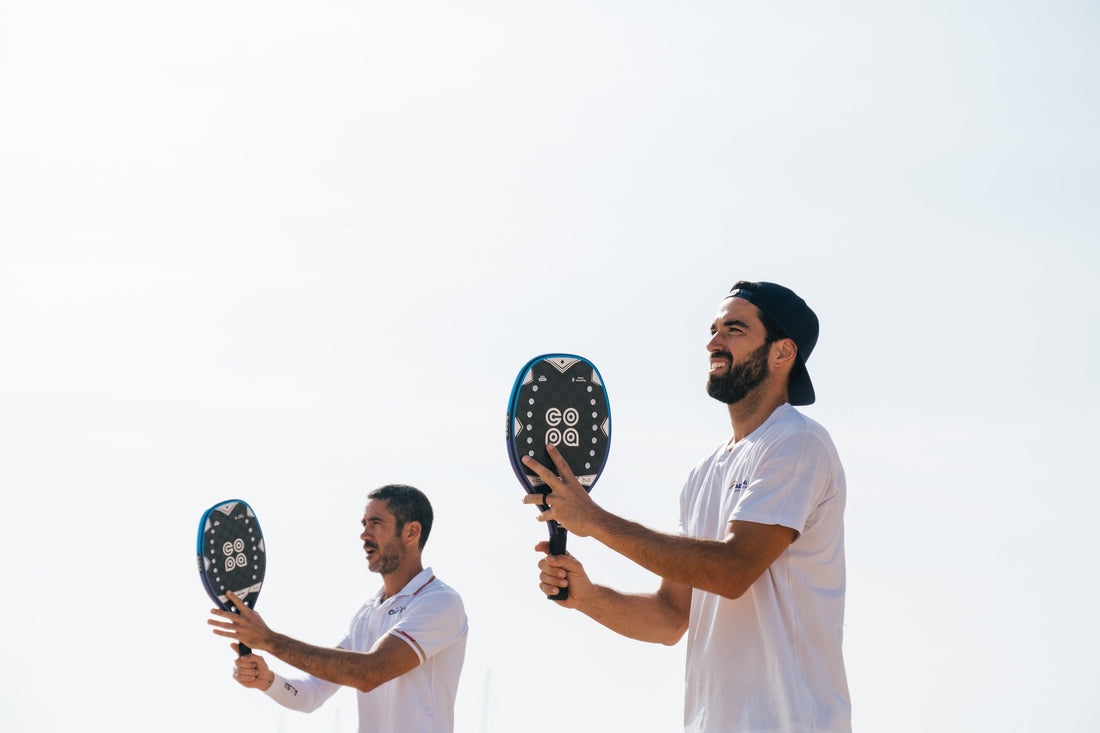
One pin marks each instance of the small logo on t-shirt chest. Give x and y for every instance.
(738, 485)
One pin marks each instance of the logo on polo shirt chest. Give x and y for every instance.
(738, 485)
(398, 609)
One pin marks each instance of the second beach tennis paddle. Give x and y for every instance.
(559, 400)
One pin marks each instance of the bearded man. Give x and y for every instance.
(756, 575)
(405, 648)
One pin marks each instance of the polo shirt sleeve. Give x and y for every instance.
(787, 484)
(432, 624)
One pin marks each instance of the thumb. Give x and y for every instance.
(566, 562)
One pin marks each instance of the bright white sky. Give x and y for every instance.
(289, 252)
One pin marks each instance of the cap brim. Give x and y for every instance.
(801, 389)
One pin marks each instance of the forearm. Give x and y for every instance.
(390, 657)
(650, 617)
(327, 663)
(708, 565)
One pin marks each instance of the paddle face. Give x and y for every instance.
(231, 554)
(560, 400)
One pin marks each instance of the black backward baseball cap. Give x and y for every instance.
(798, 323)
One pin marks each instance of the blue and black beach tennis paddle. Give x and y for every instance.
(559, 400)
(231, 555)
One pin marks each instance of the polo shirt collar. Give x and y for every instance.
(414, 586)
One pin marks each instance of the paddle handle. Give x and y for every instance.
(242, 648)
(558, 535)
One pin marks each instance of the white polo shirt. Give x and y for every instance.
(770, 661)
(426, 614)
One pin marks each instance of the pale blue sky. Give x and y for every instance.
(289, 252)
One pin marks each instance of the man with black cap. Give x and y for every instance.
(756, 575)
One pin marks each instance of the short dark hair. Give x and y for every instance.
(772, 332)
(407, 504)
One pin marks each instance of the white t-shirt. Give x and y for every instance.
(770, 661)
(426, 614)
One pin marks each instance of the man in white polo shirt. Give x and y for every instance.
(756, 575)
(406, 645)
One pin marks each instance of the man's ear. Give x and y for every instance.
(784, 353)
(412, 531)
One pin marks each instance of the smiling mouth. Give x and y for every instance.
(720, 361)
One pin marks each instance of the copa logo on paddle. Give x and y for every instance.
(234, 555)
(569, 436)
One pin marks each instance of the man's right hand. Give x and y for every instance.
(252, 671)
(560, 571)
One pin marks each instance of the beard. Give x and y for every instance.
(387, 559)
(740, 379)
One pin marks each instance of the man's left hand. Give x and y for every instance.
(246, 627)
(570, 505)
